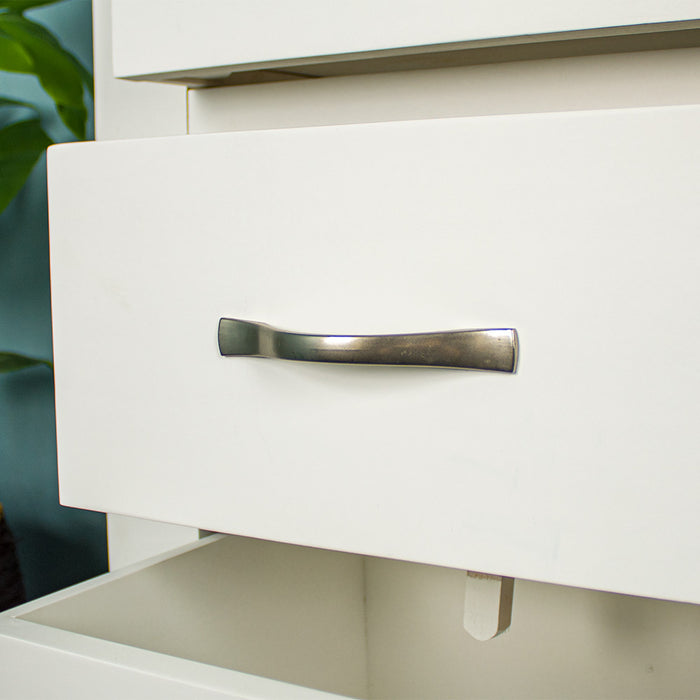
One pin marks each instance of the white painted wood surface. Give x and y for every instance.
(126, 109)
(169, 36)
(578, 229)
(254, 620)
(621, 80)
(131, 540)
(488, 605)
(134, 110)
(563, 642)
(209, 620)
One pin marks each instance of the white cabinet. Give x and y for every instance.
(567, 220)
(577, 229)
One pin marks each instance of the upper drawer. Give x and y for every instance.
(253, 40)
(577, 229)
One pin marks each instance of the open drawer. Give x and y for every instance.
(220, 610)
(577, 229)
(238, 618)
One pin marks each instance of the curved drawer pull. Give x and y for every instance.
(485, 349)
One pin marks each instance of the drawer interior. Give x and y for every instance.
(376, 628)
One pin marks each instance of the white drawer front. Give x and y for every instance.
(578, 229)
(162, 39)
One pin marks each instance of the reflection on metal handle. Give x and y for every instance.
(488, 349)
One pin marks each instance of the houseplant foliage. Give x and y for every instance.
(27, 47)
(30, 48)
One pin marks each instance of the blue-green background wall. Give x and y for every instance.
(57, 546)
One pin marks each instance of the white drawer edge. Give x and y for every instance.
(97, 581)
(162, 40)
(16, 632)
(190, 674)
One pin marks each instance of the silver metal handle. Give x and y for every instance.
(484, 349)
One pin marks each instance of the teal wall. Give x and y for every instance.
(57, 546)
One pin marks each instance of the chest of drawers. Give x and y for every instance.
(550, 213)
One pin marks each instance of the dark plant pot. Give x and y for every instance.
(11, 586)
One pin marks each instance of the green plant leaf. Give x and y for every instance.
(21, 145)
(12, 362)
(86, 76)
(57, 70)
(48, 36)
(84, 73)
(22, 5)
(74, 118)
(13, 56)
(9, 102)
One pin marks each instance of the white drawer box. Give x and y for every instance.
(252, 620)
(577, 229)
(211, 620)
(260, 40)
